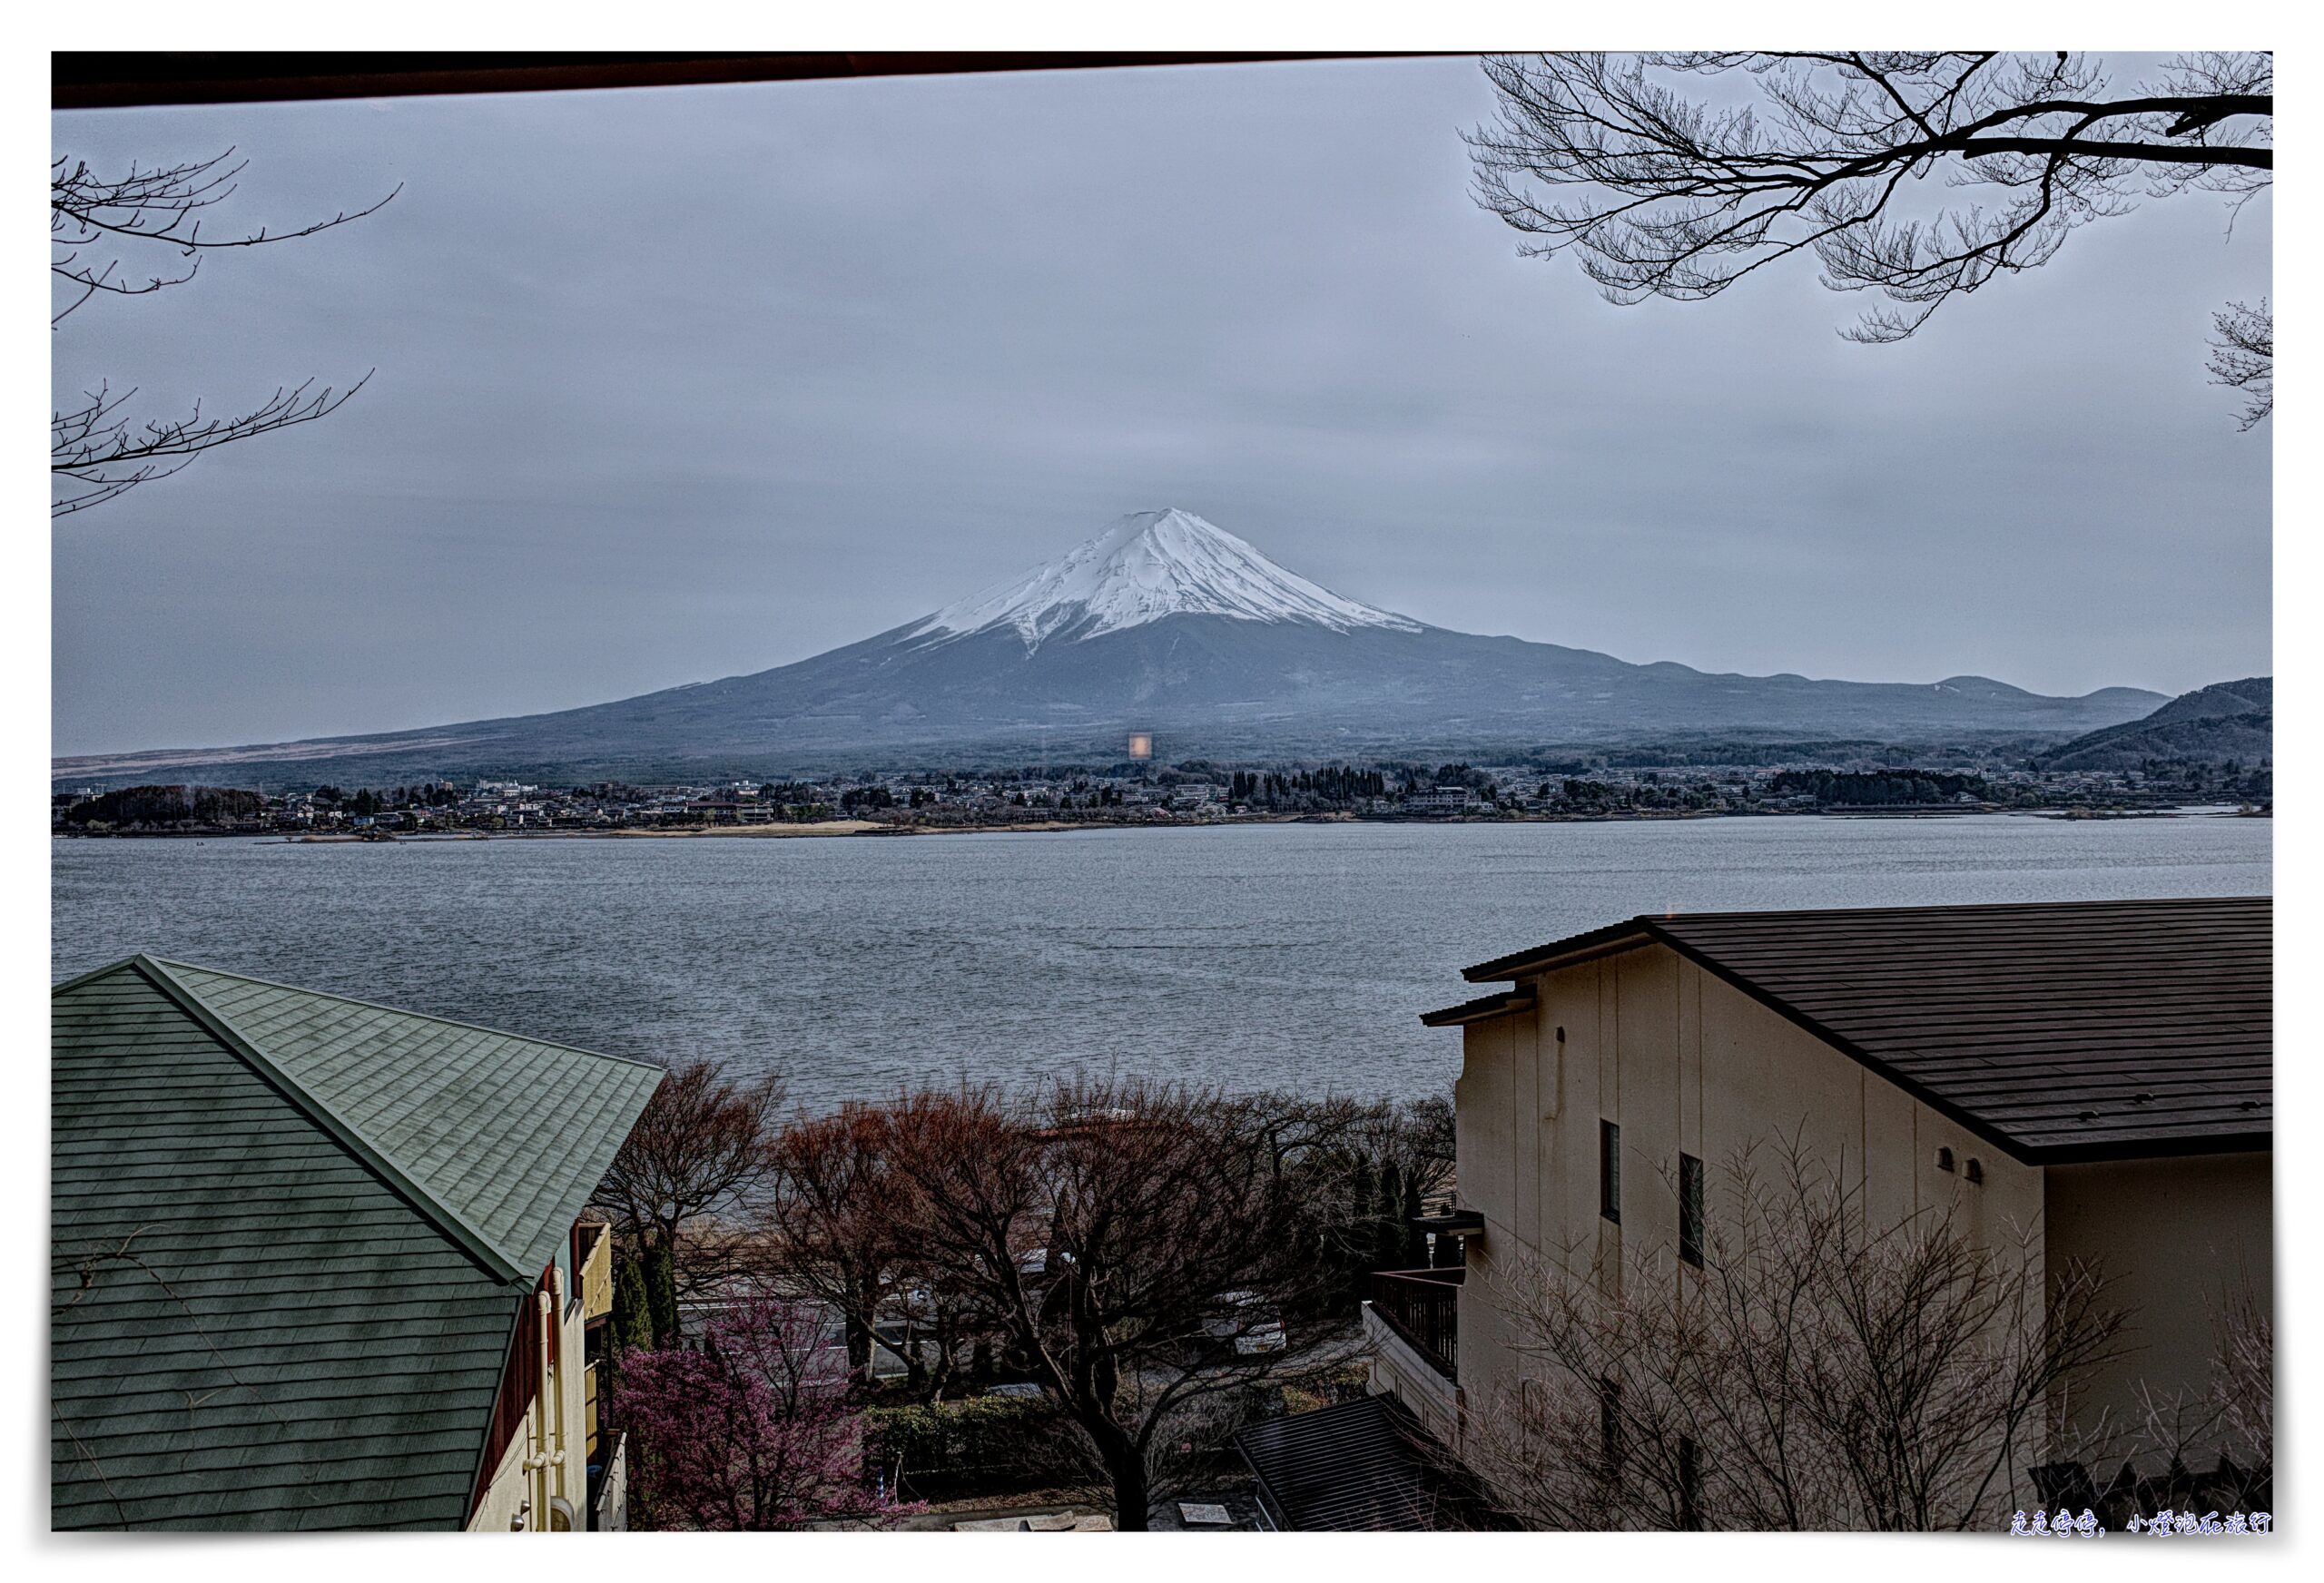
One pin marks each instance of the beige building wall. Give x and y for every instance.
(547, 1462)
(506, 1499)
(2181, 1238)
(1682, 1062)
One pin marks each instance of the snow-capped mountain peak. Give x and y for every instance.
(1144, 567)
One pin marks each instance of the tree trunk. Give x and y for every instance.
(1125, 1467)
(632, 1327)
(1355, 1254)
(915, 1367)
(662, 1290)
(940, 1377)
(1387, 1235)
(863, 1342)
(1090, 1386)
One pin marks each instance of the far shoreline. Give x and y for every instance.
(874, 829)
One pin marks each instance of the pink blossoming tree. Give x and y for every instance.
(753, 1433)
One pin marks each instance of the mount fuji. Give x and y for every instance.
(1149, 567)
(1162, 622)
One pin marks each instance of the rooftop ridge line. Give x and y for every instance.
(377, 1005)
(471, 1241)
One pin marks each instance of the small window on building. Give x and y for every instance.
(1945, 1159)
(1690, 1209)
(1973, 1170)
(1609, 1171)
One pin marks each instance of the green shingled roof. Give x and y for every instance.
(290, 1234)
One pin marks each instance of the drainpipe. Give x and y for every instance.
(538, 1462)
(555, 1314)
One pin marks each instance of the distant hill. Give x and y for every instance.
(1162, 623)
(2229, 720)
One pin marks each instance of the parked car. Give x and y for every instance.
(1250, 1321)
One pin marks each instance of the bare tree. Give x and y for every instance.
(832, 1218)
(1662, 191)
(680, 1191)
(1815, 1371)
(2244, 1371)
(2211, 1448)
(97, 451)
(1414, 1137)
(1143, 1252)
(2244, 356)
(1365, 1168)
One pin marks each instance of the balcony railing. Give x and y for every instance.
(1424, 1308)
(609, 1489)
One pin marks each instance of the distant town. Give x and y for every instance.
(1135, 792)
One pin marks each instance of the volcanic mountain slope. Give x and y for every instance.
(2228, 719)
(1162, 622)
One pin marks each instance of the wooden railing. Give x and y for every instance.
(1424, 1308)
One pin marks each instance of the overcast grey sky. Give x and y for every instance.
(680, 383)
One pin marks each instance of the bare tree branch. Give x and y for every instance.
(1818, 1371)
(2243, 358)
(688, 1175)
(97, 448)
(1660, 193)
(97, 453)
(164, 205)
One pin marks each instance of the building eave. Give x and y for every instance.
(1628, 935)
(1481, 1009)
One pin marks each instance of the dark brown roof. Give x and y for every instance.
(1363, 1465)
(2061, 1031)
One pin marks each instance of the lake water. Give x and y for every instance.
(1297, 956)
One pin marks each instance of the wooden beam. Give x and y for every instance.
(92, 80)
